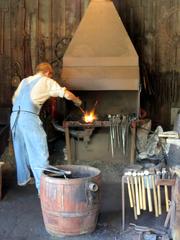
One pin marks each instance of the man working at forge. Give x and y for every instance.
(28, 135)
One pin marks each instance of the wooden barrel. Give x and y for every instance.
(71, 206)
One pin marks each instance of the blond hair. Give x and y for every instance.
(44, 67)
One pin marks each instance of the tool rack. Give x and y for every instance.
(159, 182)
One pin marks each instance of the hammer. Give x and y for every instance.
(140, 191)
(133, 195)
(143, 191)
(146, 173)
(137, 193)
(159, 193)
(155, 196)
(128, 174)
(164, 172)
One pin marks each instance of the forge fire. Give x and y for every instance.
(89, 117)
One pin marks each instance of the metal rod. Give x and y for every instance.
(123, 204)
(68, 145)
(111, 135)
(82, 110)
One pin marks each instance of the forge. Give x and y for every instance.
(101, 62)
(101, 65)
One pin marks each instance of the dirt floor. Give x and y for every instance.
(20, 209)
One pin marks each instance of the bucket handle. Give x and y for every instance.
(91, 192)
(93, 187)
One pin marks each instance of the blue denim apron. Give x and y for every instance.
(29, 137)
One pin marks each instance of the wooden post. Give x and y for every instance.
(68, 145)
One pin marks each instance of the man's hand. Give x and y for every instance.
(70, 96)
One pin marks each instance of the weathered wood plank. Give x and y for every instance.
(56, 24)
(45, 28)
(5, 53)
(70, 17)
(31, 28)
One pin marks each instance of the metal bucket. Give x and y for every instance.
(70, 206)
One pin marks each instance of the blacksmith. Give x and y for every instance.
(28, 135)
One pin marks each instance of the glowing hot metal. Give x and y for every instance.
(89, 117)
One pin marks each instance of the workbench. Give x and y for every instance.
(96, 124)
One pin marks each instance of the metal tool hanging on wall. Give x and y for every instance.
(119, 131)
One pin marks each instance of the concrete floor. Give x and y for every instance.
(21, 216)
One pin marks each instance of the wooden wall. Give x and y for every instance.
(40, 30)
(33, 31)
(154, 28)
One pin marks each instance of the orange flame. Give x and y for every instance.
(89, 117)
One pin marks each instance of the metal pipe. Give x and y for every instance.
(111, 135)
(123, 204)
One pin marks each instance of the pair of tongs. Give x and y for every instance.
(57, 171)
